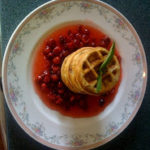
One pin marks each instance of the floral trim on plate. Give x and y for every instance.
(17, 47)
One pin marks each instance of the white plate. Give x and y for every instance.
(50, 127)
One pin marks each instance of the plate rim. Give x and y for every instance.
(4, 81)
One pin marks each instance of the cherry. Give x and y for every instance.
(46, 72)
(59, 101)
(107, 41)
(104, 42)
(70, 34)
(56, 60)
(57, 50)
(54, 77)
(81, 44)
(60, 91)
(39, 78)
(55, 68)
(46, 79)
(85, 31)
(80, 29)
(70, 45)
(76, 42)
(46, 50)
(65, 53)
(51, 43)
(93, 44)
(60, 84)
(58, 72)
(78, 36)
(50, 55)
(62, 39)
(85, 38)
(72, 98)
(43, 86)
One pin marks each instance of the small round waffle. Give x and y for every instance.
(80, 71)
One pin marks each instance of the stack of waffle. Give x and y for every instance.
(80, 69)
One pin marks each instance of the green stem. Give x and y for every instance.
(103, 66)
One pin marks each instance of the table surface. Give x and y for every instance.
(137, 135)
(1, 142)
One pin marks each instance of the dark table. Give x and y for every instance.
(137, 134)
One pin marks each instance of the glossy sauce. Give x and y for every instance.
(40, 63)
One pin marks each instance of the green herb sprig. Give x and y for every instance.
(103, 66)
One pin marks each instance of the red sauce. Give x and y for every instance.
(46, 70)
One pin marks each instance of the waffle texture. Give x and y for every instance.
(79, 71)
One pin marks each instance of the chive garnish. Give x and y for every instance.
(103, 66)
(99, 82)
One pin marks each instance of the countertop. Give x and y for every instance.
(137, 135)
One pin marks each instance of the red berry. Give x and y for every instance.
(72, 98)
(60, 91)
(59, 101)
(102, 43)
(50, 55)
(56, 60)
(93, 44)
(65, 53)
(81, 44)
(60, 84)
(58, 72)
(70, 45)
(107, 41)
(62, 39)
(55, 68)
(46, 79)
(85, 31)
(76, 42)
(54, 77)
(46, 72)
(57, 50)
(70, 33)
(43, 86)
(46, 50)
(85, 38)
(78, 36)
(51, 43)
(39, 78)
(80, 28)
